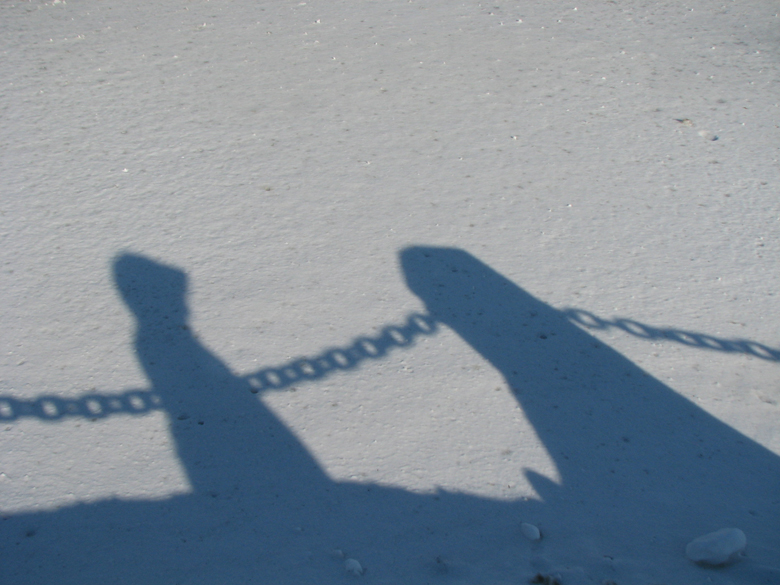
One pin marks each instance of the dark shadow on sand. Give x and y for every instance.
(643, 470)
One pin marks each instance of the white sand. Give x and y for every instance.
(283, 155)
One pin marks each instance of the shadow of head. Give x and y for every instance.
(492, 314)
(455, 286)
(151, 290)
(434, 274)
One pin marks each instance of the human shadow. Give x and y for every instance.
(642, 470)
(641, 467)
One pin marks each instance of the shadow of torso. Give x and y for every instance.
(642, 469)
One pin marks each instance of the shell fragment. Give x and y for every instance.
(354, 567)
(717, 548)
(530, 531)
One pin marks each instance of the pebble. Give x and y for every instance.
(543, 579)
(530, 531)
(716, 548)
(354, 567)
(338, 554)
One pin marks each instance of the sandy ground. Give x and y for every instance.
(288, 283)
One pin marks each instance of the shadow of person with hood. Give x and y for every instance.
(643, 470)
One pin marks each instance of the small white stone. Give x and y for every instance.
(530, 531)
(354, 567)
(716, 548)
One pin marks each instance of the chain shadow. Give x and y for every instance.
(689, 338)
(95, 405)
(642, 469)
